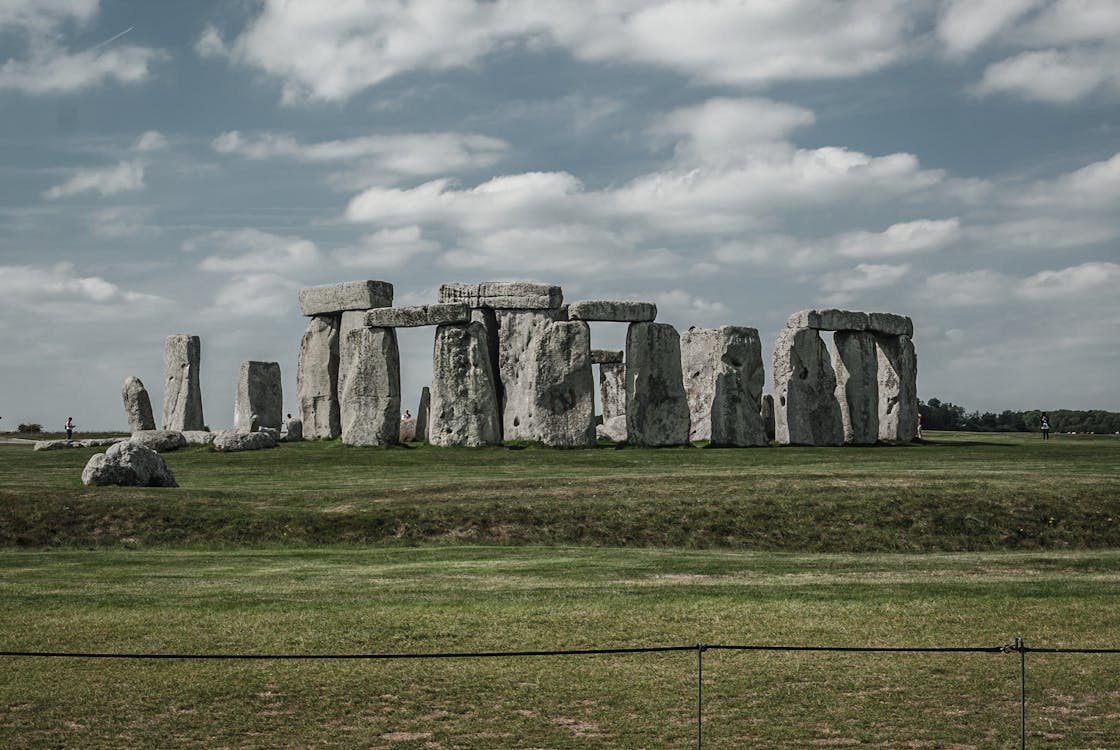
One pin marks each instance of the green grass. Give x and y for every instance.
(437, 599)
(955, 492)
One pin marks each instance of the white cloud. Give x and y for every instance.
(970, 288)
(965, 25)
(724, 130)
(125, 177)
(43, 17)
(1054, 76)
(253, 295)
(59, 287)
(253, 252)
(904, 238)
(122, 221)
(407, 154)
(151, 140)
(348, 47)
(1074, 283)
(840, 285)
(680, 305)
(1072, 22)
(386, 249)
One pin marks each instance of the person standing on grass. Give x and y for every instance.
(919, 425)
(1045, 427)
(69, 426)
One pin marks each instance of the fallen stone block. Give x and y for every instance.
(54, 445)
(419, 315)
(232, 441)
(606, 357)
(617, 312)
(128, 464)
(329, 299)
(514, 295)
(198, 437)
(161, 441)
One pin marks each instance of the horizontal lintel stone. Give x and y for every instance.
(616, 312)
(606, 357)
(829, 320)
(890, 324)
(419, 315)
(504, 295)
(328, 299)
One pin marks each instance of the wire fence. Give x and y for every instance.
(1016, 646)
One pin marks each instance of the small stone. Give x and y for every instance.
(612, 396)
(514, 295)
(137, 405)
(295, 431)
(419, 315)
(329, 299)
(610, 311)
(408, 429)
(768, 415)
(423, 414)
(606, 357)
(161, 441)
(232, 441)
(259, 394)
(128, 464)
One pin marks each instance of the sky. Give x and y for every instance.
(186, 166)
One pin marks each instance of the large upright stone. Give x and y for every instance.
(503, 295)
(317, 378)
(612, 397)
(519, 332)
(260, 392)
(137, 405)
(724, 376)
(806, 410)
(464, 406)
(370, 399)
(182, 391)
(898, 388)
(856, 364)
(656, 404)
(612, 311)
(330, 299)
(563, 408)
(422, 414)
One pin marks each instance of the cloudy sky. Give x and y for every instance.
(187, 166)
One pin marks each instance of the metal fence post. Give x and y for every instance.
(700, 695)
(1022, 649)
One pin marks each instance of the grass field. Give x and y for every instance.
(318, 548)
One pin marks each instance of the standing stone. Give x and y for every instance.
(856, 362)
(464, 404)
(612, 395)
(723, 377)
(898, 388)
(564, 392)
(370, 399)
(422, 412)
(137, 405)
(656, 404)
(260, 394)
(182, 392)
(351, 320)
(295, 431)
(317, 378)
(768, 415)
(806, 410)
(519, 332)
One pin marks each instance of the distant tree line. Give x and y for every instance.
(943, 415)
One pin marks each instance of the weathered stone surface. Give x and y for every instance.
(768, 415)
(618, 312)
(806, 410)
(890, 324)
(260, 393)
(898, 388)
(182, 391)
(272, 432)
(54, 445)
(370, 391)
(855, 360)
(606, 356)
(423, 412)
(295, 431)
(130, 465)
(724, 376)
(349, 321)
(464, 403)
(518, 334)
(828, 320)
(563, 413)
(419, 315)
(317, 378)
(161, 441)
(329, 299)
(613, 400)
(137, 405)
(408, 430)
(519, 295)
(232, 441)
(656, 404)
(198, 437)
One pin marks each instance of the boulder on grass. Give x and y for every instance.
(128, 464)
(161, 441)
(231, 441)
